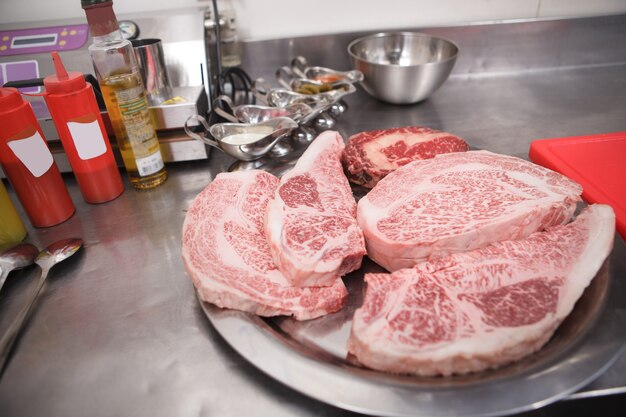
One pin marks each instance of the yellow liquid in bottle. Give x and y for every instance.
(11, 227)
(127, 105)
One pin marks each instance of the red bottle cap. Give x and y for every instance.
(63, 82)
(10, 98)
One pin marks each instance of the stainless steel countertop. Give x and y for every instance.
(119, 331)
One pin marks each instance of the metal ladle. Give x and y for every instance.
(271, 130)
(46, 259)
(16, 257)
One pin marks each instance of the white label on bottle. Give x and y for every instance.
(88, 139)
(150, 164)
(33, 153)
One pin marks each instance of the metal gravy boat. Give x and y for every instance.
(301, 68)
(335, 89)
(304, 85)
(250, 113)
(283, 97)
(243, 141)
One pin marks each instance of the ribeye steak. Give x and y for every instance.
(311, 224)
(480, 309)
(370, 156)
(460, 201)
(227, 256)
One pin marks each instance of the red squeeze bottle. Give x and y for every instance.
(28, 163)
(74, 110)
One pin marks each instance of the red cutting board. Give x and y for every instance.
(597, 162)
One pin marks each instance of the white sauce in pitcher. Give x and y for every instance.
(243, 138)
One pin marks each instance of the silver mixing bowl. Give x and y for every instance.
(402, 67)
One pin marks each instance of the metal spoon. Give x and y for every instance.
(46, 259)
(16, 257)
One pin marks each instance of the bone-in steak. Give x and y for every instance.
(311, 224)
(227, 256)
(480, 309)
(460, 201)
(370, 156)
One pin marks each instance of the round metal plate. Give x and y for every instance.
(311, 357)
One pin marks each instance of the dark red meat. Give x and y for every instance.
(370, 156)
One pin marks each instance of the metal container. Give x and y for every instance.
(402, 67)
(149, 53)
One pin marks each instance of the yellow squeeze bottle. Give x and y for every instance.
(11, 227)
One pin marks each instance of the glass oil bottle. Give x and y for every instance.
(124, 94)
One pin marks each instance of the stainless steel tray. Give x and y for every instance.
(311, 357)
